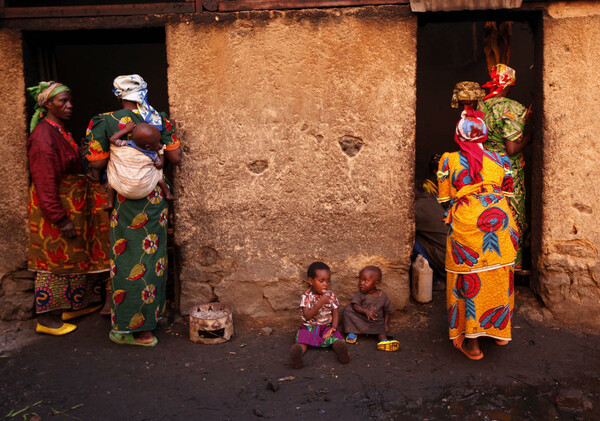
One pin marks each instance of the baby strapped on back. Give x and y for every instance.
(135, 166)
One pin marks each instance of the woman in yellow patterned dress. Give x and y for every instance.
(481, 245)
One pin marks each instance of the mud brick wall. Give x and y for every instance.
(13, 165)
(299, 146)
(568, 267)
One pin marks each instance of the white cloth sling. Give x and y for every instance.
(131, 172)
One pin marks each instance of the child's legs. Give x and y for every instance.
(165, 188)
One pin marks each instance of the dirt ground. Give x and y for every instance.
(547, 372)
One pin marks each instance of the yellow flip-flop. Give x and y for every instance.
(388, 345)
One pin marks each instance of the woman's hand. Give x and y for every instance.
(68, 230)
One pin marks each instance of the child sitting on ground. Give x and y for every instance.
(319, 318)
(131, 173)
(369, 311)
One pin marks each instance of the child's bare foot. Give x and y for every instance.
(296, 353)
(170, 196)
(341, 349)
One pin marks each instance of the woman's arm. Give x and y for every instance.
(44, 166)
(174, 156)
(99, 164)
(513, 148)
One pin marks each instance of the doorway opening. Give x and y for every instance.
(450, 49)
(87, 61)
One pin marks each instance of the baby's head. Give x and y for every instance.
(369, 279)
(146, 137)
(318, 275)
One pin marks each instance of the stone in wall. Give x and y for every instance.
(568, 274)
(298, 132)
(16, 296)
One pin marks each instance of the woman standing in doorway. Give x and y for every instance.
(481, 244)
(68, 240)
(138, 227)
(506, 120)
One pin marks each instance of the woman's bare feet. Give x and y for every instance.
(106, 308)
(469, 347)
(144, 337)
(52, 319)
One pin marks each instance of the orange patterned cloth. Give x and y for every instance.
(88, 252)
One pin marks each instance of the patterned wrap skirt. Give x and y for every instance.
(481, 303)
(313, 336)
(138, 238)
(70, 271)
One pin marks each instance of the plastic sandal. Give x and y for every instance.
(59, 331)
(388, 345)
(128, 339)
(458, 343)
(351, 338)
(68, 315)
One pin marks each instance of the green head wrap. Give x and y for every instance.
(42, 93)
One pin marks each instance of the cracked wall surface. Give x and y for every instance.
(569, 267)
(13, 165)
(299, 146)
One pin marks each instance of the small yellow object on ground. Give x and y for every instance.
(388, 345)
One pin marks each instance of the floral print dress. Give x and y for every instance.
(505, 119)
(138, 235)
(481, 245)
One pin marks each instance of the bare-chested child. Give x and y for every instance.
(146, 139)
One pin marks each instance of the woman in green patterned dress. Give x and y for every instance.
(138, 228)
(506, 120)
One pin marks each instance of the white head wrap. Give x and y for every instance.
(133, 88)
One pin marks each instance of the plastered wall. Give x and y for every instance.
(299, 146)
(13, 165)
(568, 266)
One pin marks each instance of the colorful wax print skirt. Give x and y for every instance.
(313, 336)
(67, 292)
(138, 238)
(88, 252)
(481, 303)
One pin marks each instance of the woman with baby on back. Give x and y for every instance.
(138, 227)
(320, 317)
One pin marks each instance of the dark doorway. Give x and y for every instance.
(88, 61)
(450, 49)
